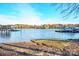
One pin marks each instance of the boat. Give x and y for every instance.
(14, 30)
(69, 30)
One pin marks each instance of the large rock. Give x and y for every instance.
(71, 50)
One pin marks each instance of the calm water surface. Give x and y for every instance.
(30, 34)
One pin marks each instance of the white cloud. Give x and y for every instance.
(26, 15)
(5, 20)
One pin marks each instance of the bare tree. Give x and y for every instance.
(68, 10)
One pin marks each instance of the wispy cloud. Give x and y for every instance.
(25, 15)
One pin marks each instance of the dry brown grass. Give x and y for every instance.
(25, 43)
(53, 43)
(41, 47)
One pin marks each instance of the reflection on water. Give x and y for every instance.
(5, 34)
(30, 34)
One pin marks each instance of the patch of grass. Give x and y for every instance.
(53, 43)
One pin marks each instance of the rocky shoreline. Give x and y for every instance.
(40, 48)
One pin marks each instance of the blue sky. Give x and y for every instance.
(38, 13)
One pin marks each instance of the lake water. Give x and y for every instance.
(30, 34)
